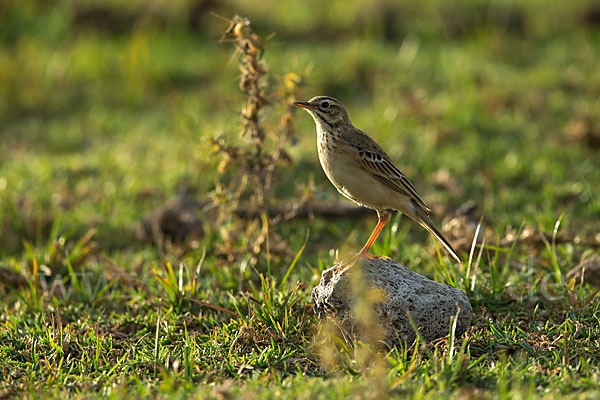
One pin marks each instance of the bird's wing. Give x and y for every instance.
(378, 163)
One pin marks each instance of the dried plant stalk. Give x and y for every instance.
(255, 157)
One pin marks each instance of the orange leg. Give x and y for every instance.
(364, 252)
(382, 220)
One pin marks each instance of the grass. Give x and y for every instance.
(100, 126)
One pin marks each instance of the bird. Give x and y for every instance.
(362, 172)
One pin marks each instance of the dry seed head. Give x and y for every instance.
(240, 25)
(251, 45)
(291, 81)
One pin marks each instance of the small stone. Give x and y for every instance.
(588, 271)
(177, 220)
(431, 305)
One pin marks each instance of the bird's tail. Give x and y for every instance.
(426, 223)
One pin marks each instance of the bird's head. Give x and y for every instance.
(325, 110)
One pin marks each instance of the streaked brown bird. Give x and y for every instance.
(361, 171)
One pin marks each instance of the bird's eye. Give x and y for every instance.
(325, 104)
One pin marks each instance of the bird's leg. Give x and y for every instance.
(364, 252)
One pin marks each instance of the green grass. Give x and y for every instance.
(98, 127)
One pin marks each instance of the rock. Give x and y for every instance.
(11, 278)
(431, 305)
(588, 271)
(176, 221)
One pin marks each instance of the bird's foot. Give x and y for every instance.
(348, 261)
(372, 257)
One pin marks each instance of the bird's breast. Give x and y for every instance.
(343, 166)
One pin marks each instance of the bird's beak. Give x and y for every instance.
(302, 104)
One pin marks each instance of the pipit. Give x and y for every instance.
(361, 171)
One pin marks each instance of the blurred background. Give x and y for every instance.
(111, 109)
(106, 107)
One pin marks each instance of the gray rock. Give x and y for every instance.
(177, 220)
(431, 305)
